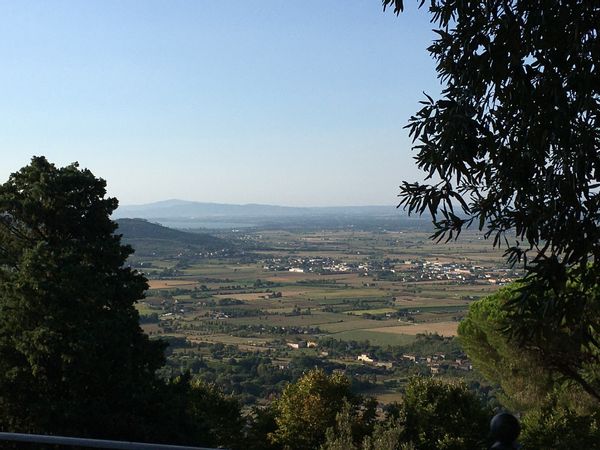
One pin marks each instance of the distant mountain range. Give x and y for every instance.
(198, 210)
(189, 215)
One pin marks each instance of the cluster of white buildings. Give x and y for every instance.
(302, 344)
(421, 270)
(437, 362)
(301, 265)
(369, 360)
(407, 270)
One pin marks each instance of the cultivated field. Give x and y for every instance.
(441, 328)
(385, 287)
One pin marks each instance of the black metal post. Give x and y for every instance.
(504, 431)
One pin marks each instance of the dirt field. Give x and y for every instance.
(170, 284)
(442, 328)
(243, 296)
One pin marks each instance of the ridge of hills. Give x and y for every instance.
(190, 215)
(183, 214)
(147, 238)
(190, 209)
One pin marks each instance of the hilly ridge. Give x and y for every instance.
(148, 238)
(189, 209)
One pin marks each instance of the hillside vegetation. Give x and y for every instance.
(149, 238)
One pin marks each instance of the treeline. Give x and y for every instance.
(424, 344)
(321, 411)
(254, 376)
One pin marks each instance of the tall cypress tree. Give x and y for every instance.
(73, 358)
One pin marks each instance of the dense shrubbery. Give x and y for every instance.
(434, 415)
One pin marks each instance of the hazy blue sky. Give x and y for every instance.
(235, 101)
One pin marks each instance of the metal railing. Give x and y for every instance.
(89, 443)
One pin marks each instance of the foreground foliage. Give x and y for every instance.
(308, 407)
(525, 378)
(73, 358)
(514, 143)
(442, 415)
(557, 412)
(433, 415)
(556, 427)
(386, 435)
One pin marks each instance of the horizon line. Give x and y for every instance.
(395, 206)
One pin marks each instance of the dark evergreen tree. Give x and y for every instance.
(73, 358)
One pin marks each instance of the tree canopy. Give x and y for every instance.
(438, 414)
(434, 414)
(512, 147)
(73, 358)
(308, 407)
(526, 380)
(557, 413)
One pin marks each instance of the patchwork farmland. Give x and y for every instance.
(382, 289)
